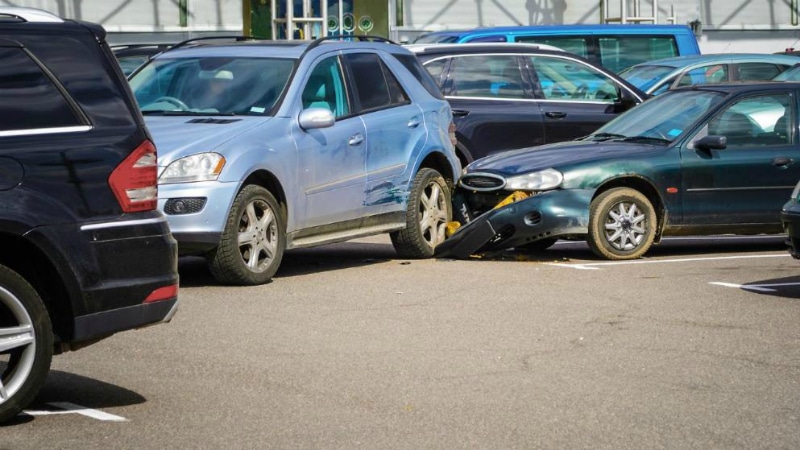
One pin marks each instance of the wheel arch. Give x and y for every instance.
(644, 186)
(439, 162)
(270, 182)
(38, 270)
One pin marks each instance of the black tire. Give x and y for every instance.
(622, 224)
(26, 343)
(254, 259)
(428, 211)
(538, 246)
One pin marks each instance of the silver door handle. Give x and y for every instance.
(356, 139)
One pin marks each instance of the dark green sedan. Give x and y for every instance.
(700, 160)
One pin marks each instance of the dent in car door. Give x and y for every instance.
(493, 109)
(748, 181)
(575, 98)
(330, 172)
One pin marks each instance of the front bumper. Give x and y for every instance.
(790, 218)
(200, 230)
(552, 214)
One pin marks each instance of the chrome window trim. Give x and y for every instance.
(39, 131)
(126, 223)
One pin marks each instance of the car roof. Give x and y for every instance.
(683, 61)
(243, 46)
(547, 29)
(734, 87)
(482, 47)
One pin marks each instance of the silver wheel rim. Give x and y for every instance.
(16, 337)
(626, 226)
(258, 236)
(433, 212)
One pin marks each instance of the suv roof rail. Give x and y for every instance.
(28, 14)
(347, 37)
(237, 38)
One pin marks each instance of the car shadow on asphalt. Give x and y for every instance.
(785, 287)
(299, 262)
(79, 390)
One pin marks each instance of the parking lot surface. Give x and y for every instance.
(695, 346)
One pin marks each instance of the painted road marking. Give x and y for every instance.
(596, 266)
(754, 287)
(71, 408)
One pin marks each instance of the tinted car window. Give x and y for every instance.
(576, 45)
(377, 87)
(325, 88)
(28, 98)
(564, 79)
(619, 52)
(486, 76)
(425, 77)
(715, 73)
(758, 71)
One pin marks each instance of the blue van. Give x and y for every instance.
(613, 46)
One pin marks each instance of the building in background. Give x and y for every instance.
(721, 25)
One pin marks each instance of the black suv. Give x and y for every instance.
(85, 252)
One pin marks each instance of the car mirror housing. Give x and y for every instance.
(313, 118)
(711, 142)
(625, 101)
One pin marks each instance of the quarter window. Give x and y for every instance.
(29, 99)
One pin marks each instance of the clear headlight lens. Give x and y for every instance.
(199, 167)
(796, 192)
(535, 181)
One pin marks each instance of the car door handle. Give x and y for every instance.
(782, 161)
(555, 114)
(414, 122)
(356, 139)
(460, 112)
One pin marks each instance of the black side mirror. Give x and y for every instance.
(711, 142)
(626, 101)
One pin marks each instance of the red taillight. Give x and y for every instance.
(164, 293)
(451, 130)
(135, 182)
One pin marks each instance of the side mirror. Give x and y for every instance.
(626, 100)
(313, 118)
(711, 142)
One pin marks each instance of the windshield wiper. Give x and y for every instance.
(645, 139)
(160, 112)
(603, 137)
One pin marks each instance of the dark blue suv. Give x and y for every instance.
(85, 251)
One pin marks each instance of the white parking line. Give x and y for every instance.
(596, 266)
(754, 287)
(71, 408)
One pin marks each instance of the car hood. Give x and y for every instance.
(179, 136)
(559, 155)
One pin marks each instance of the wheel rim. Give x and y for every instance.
(258, 236)
(433, 214)
(17, 345)
(626, 226)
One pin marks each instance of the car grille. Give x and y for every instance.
(482, 181)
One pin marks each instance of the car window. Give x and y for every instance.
(571, 44)
(28, 97)
(619, 52)
(425, 78)
(645, 76)
(762, 120)
(568, 80)
(758, 70)
(712, 73)
(493, 76)
(435, 68)
(376, 86)
(325, 88)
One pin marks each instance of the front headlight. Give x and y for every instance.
(795, 192)
(199, 167)
(535, 181)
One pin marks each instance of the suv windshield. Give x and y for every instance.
(211, 85)
(664, 117)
